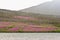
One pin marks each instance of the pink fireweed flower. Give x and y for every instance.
(25, 17)
(14, 29)
(4, 24)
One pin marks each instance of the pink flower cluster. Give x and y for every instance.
(25, 17)
(4, 24)
(14, 29)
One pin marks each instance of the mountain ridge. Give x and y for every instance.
(50, 8)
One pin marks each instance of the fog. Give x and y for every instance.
(50, 8)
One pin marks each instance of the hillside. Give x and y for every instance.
(15, 21)
(49, 8)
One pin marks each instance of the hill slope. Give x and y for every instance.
(14, 21)
(50, 8)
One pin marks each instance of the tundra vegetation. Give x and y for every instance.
(14, 21)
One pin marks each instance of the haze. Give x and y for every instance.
(50, 8)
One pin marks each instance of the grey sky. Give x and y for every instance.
(19, 4)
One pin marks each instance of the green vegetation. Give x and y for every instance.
(47, 19)
(8, 16)
(57, 24)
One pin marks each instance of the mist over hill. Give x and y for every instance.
(50, 8)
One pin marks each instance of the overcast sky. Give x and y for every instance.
(19, 4)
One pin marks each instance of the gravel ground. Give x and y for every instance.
(29, 36)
